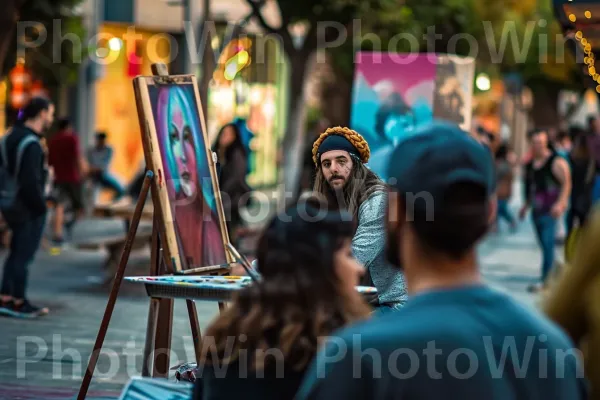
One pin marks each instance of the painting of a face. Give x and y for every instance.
(182, 147)
(187, 175)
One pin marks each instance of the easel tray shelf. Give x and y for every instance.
(203, 288)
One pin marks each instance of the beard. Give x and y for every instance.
(337, 194)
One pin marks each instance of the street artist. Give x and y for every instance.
(340, 155)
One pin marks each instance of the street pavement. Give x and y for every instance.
(45, 358)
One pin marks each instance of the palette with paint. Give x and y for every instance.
(206, 288)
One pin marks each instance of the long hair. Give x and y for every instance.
(237, 144)
(298, 300)
(361, 184)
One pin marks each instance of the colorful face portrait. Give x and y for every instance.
(187, 175)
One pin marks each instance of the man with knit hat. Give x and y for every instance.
(455, 338)
(340, 155)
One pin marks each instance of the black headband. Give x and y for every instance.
(337, 142)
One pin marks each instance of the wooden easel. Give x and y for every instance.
(160, 312)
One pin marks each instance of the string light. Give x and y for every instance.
(589, 58)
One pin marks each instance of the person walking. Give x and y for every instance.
(23, 157)
(583, 171)
(547, 191)
(594, 146)
(64, 156)
(504, 180)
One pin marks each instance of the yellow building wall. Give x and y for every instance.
(3, 99)
(116, 112)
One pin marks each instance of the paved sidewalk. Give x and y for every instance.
(45, 359)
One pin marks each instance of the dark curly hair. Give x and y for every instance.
(298, 300)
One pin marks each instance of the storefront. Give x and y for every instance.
(3, 105)
(256, 94)
(116, 112)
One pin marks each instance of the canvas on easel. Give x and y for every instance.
(176, 150)
(189, 232)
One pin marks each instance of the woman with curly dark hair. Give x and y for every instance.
(260, 347)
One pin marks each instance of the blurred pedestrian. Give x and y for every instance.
(342, 178)
(99, 158)
(583, 171)
(547, 192)
(65, 158)
(412, 353)
(563, 144)
(504, 189)
(594, 146)
(23, 157)
(232, 161)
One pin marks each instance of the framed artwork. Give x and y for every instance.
(187, 201)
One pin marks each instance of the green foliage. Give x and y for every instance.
(53, 62)
(535, 53)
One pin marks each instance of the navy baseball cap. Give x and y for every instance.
(438, 156)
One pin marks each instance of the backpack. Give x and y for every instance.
(9, 183)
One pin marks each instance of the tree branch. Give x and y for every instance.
(256, 6)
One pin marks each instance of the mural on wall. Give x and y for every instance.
(395, 94)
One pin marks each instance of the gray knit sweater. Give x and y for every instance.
(368, 246)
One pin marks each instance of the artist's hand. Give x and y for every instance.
(237, 270)
(558, 209)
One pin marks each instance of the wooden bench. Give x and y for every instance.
(114, 245)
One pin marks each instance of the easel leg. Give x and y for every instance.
(112, 299)
(195, 325)
(162, 342)
(147, 366)
(155, 257)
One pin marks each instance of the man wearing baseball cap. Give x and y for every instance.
(455, 337)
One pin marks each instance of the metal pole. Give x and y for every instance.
(86, 94)
(187, 21)
(97, 18)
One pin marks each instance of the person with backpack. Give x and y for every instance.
(23, 203)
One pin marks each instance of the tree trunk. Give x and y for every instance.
(294, 141)
(208, 60)
(336, 98)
